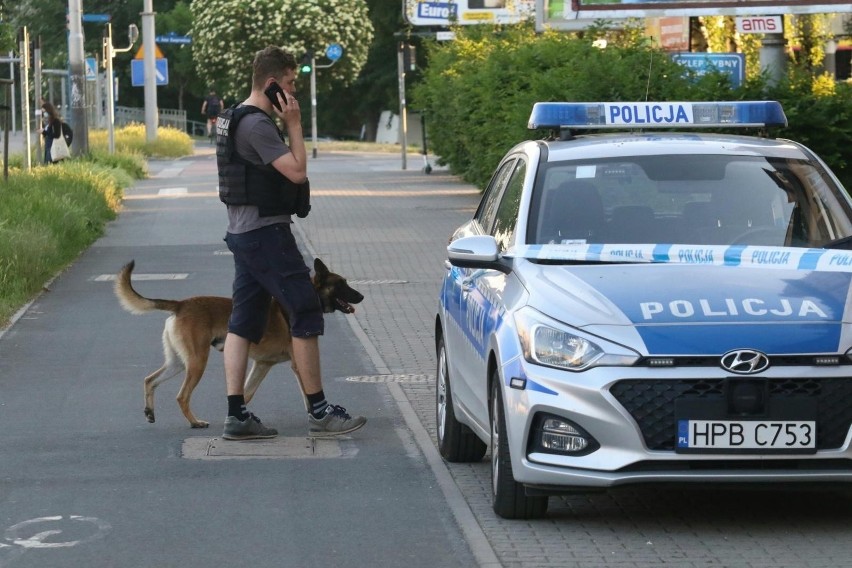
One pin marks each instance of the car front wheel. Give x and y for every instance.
(508, 497)
(456, 442)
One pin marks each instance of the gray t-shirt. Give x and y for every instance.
(258, 141)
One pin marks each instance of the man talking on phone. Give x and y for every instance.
(258, 180)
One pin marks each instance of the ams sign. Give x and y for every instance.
(760, 24)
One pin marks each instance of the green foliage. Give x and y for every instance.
(132, 139)
(478, 92)
(226, 35)
(47, 217)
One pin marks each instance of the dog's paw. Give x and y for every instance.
(200, 424)
(149, 414)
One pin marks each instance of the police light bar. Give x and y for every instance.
(658, 115)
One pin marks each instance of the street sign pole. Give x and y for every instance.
(78, 78)
(333, 52)
(314, 106)
(403, 123)
(109, 53)
(151, 111)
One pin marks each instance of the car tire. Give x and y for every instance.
(456, 442)
(508, 497)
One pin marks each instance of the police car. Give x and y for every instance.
(649, 306)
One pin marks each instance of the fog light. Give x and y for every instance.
(557, 435)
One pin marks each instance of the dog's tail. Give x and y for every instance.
(132, 301)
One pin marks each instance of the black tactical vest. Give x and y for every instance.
(244, 183)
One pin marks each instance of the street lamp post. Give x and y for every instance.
(109, 53)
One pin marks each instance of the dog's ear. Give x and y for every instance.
(320, 269)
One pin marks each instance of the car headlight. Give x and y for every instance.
(548, 342)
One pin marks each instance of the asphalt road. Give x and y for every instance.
(86, 481)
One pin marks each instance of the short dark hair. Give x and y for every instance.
(271, 61)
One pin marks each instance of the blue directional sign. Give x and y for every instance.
(96, 18)
(173, 37)
(137, 72)
(731, 64)
(334, 51)
(91, 69)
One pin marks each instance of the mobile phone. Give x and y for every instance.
(271, 93)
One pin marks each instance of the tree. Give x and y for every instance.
(227, 33)
(183, 79)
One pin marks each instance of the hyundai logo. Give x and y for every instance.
(745, 361)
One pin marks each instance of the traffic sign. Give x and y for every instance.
(96, 18)
(137, 72)
(731, 64)
(140, 53)
(334, 51)
(173, 37)
(91, 69)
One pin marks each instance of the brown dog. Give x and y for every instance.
(201, 322)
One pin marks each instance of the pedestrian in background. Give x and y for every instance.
(57, 135)
(211, 107)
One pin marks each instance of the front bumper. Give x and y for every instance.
(630, 413)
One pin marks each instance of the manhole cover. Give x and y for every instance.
(391, 379)
(202, 448)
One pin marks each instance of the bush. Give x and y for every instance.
(131, 139)
(478, 90)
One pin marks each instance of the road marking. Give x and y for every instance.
(15, 532)
(391, 379)
(480, 547)
(169, 172)
(143, 277)
(173, 191)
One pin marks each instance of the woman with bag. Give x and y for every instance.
(57, 135)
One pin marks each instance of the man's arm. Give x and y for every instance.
(204, 107)
(294, 164)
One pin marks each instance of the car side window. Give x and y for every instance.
(488, 207)
(507, 211)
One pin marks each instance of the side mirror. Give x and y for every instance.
(480, 251)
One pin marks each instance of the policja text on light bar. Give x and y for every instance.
(658, 115)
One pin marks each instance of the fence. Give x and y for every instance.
(167, 117)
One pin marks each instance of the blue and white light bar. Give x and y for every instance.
(658, 115)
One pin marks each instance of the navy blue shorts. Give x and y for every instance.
(267, 263)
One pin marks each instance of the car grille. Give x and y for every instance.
(651, 402)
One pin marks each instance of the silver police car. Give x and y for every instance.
(646, 305)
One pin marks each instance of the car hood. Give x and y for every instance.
(691, 309)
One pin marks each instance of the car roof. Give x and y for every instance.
(615, 145)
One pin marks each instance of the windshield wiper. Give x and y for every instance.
(841, 243)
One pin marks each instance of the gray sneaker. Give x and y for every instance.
(249, 429)
(334, 422)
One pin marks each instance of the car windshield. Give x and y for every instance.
(689, 199)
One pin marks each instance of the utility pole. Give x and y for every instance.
(26, 121)
(37, 89)
(78, 78)
(150, 65)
